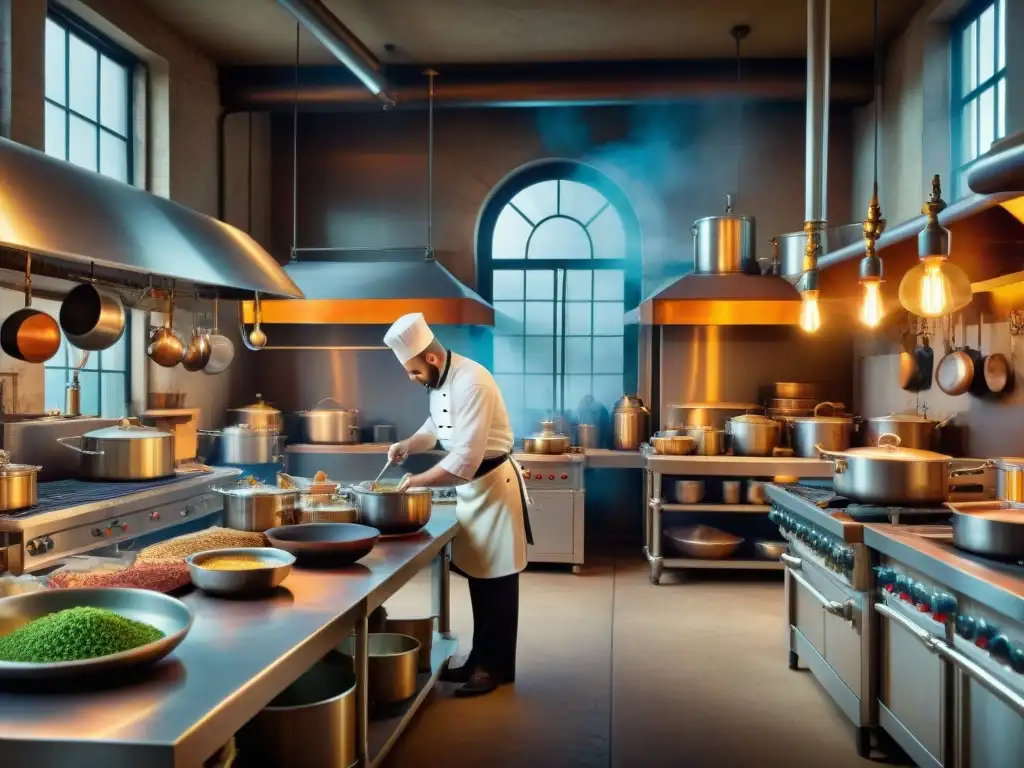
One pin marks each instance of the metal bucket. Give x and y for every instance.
(312, 723)
(392, 666)
(422, 629)
(724, 244)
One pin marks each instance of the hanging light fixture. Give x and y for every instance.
(936, 287)
(871, 310)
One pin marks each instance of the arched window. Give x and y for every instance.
(558, 255)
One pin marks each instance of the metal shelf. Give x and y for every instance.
(746, 508)
(741, 565)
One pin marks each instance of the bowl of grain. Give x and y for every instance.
(239, 570)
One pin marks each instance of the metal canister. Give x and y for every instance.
(724, 244)
(73, 397)
(1010, 479)
(587, 436)
(631, 423)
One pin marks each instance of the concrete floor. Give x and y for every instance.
(614, 671)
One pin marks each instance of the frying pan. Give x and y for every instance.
(28, 334)
(916, 364)
(989, 528)
(336, 543)
(956, 368)
(995, 369)
(979, 385)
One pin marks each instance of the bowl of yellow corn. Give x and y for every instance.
(239, 570)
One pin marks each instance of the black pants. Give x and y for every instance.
(495, 625)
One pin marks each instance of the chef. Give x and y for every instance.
(468, 418)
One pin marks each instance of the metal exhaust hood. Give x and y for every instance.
(68, 215)
(723, 299)
(373, 287)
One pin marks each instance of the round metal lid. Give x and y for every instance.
(126, 430)
(259, 406)
(907, 418)
(1009, 462)
(889, 449)
(753, 418)
(245, 488)
(18, 470)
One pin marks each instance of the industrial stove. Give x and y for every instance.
(555, 485)
(72, 517)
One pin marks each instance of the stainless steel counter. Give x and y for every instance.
(997, 585)
(237, 657)
(604, 458)
(739, 466)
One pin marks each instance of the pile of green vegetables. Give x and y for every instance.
(75, 634)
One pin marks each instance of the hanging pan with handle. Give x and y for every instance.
(222, 349)
(994, 370)
(956, 369)
(92, 317)
(28, 334)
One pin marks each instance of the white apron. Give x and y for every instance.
(492, 542)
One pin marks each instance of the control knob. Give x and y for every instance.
(39, 546)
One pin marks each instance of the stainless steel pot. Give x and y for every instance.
(731, 491)
(754, 435)
(422, 629)
(18, 484)
(833, 433)
(334, 509)
(889, 474)
(1010, 479)
(331, 426)
(587, 436)
(126, 452)
(393, 664)
(755, 492)
(393, 512)
(631, 423)
(724, 244)
(703, 542)
(989, 529)
(259, 415)
(92, 317)
(546, 441)
(708, 441)
(689, 491)
(240, 444)
(715, 415)
(673, 444)
(255, 507)
(914, 431)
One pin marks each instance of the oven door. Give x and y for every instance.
(553, 524)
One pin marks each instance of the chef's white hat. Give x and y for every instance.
(408, 336)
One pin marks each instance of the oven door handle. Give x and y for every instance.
(846, 611)
(941, 648)
(794, 563)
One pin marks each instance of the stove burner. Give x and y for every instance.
(828, 500)
(61, 494)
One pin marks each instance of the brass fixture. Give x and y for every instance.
(936, 287)
(810, 313)
(870, 273)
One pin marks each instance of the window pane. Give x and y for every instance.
(54, 380)
(577, 355)
(608, 285)
(608, 354)
(113, 96)
(540, 320)
(608, 318)
(986, 120)
(540, 355)
(90, 382)
(577, 318)
(578, 286)
(511, 387)
(559, 239)
(578, 201)
(969, 72)
(968, 129)
(609, 235)
(607, 389)
(113, 404)
(507, 284)
(56, 132)
(540, 284)
(83, 143)
(56, 84)
(986, 45)
(538, 201)
(508, 354)
(1002, 34)
(508, 318)
(113, 156)
(539, 399)
(114, 359)
(84, 77)
(510, 234)
(576, 388)
(1001, 127)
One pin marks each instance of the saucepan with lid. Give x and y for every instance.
(253, 506)
(913, 430)
(546, 441)
(17, 484)
(336, 426)
(754, 435)
(127, 452)
(832, 432)
(390, 511)
(889, 474)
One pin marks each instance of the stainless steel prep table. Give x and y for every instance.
(238, 656)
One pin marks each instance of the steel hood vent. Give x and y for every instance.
(374, 287)
(723, 299)
(63, 213)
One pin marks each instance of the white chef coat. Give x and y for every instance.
(468, 418)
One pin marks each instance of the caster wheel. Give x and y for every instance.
(655, 579)
(576, 570)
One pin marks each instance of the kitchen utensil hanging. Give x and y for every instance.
(917, 359)
(995, 370)
(197, 355)
(92, 317)
(222, 349)
(956, 368)
(978, 387)
(28, 334)
(166, 345)
(255, 339)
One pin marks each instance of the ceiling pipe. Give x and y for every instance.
(487, 86)
(343, 45)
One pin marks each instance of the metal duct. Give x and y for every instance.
(601, 83)
(59, 211)
(1001, 169)
(816, 193)
(726, 299)
(339, 40)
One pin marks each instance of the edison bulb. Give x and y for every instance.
(871, 303)
(935, 288)
(810, 314)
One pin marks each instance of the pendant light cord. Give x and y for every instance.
(878, 91)
(431, 74)
(248, 178)
(295, 148)
(739, 32)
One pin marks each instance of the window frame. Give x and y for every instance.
(968, 15)
(630, 264)
(106, 47)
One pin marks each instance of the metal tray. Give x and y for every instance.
(166, 613)
(278, 566)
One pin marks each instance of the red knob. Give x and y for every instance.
(124, 526)
(108, 532)
(155, 516)
(565, 476)
(551, 477)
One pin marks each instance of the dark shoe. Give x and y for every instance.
(457, 674)
(478, 684)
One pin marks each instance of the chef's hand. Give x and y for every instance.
(397, 452)
(405, 482)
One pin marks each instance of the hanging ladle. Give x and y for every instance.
(29, 334)
(198, 353)
(166, 345)
(255, 339)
